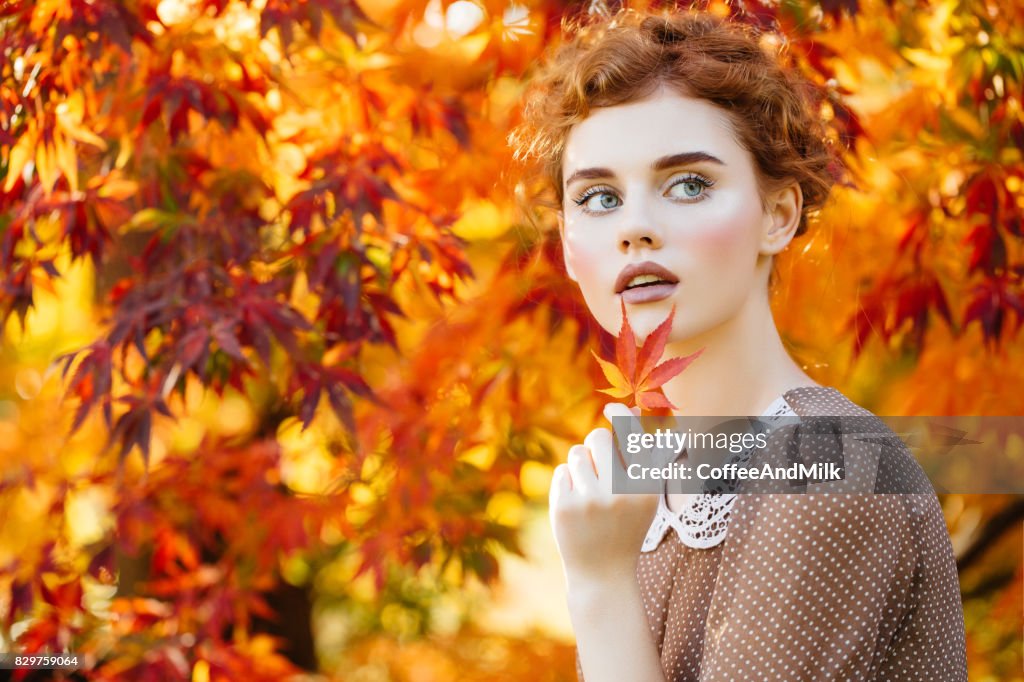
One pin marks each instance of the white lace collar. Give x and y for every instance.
(703, 523)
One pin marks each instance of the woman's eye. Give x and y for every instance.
(604, 200)
(691, 188)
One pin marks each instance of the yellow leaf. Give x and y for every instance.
(66, 159)
(20, 155)
(481, 456)
(42, 280)
(612, 374)
(119, 189)
(45, 167)
(201, 672)
(480, 220)
(149, 218)
(535, 479)
(616, 392)
(127, 145)
(967, 122)
(505, 508)
(926, 59)
(69, 117)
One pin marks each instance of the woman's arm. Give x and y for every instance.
(599, 535)
(613, 638)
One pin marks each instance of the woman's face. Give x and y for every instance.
(662, 208)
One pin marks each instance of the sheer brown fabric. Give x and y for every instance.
(824, 586)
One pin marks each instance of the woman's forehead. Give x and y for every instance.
(632, 136)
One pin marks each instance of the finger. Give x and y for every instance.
(659, 453)
(581, 468)
(628, 431)
(626, 426)
(561, 485)
(602, 451)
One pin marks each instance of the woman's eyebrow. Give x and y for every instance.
(664, 162)
(683, 159)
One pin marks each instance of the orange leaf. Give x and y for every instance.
(622, 392)
(625, 346)
(649, 400)
(654, 345)
(668, 369)
(613, 374)
(636, 372)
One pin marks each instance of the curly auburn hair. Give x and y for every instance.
(629, 55)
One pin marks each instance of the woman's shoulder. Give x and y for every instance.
(830, 428)
(822, 401)
(876, 476)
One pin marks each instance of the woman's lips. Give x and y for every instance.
(650, 268)
(648, 293)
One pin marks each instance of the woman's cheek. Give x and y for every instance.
(720, 259)
(719, 272)
(729, 227)
(725, 240)
(596, 279)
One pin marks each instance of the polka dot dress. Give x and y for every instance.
(824, 586)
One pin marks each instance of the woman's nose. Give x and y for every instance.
(637, 235)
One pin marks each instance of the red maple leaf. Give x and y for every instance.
(635, 373)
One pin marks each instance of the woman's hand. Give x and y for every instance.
(599, 533)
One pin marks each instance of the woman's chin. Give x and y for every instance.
(644, 318)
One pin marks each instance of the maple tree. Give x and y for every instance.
(301, 347)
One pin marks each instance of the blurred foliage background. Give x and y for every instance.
(286, 369)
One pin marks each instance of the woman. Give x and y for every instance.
(683, 158)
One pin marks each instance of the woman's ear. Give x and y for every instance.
(782, 218)
(565, 248)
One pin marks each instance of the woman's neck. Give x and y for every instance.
(743, 368)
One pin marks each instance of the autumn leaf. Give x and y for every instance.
(636, 374)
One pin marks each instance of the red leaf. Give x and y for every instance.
(20, 601)
(193, 345)
(625, 346)
(226, 339)
(65, 597)
(102, 566)
(670, 368)
(308, 407)
(650, 400)
(636, 372)
(654, 345)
